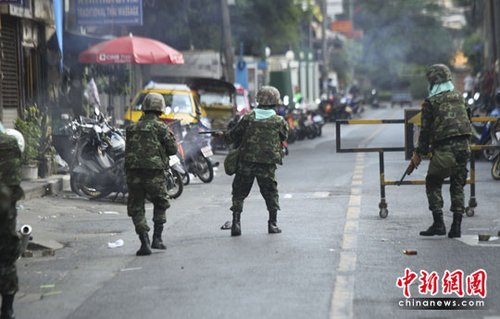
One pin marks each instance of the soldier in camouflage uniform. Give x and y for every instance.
(149, 144)
(445, 132)
(10, 193)
(259, 135)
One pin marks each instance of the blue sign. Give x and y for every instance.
(104, 12)
(19, 2)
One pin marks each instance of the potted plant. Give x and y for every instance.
(30, 126)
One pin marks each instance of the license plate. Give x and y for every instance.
(207, 151)
(173, 160)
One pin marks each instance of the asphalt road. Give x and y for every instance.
(336, 258)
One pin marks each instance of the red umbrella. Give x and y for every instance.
(131, 49)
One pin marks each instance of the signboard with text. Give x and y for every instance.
(19, 2)
(105, 12)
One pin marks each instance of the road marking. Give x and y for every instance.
(352, 213)
(354, 200)
(355, 190)
(347, 262)
(343, 292)
(349, 242)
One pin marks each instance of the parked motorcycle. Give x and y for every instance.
(495, 167)
(484, 134)
(98, 161)
(173, 176)
(196, 152)
(374, 100)
(97, 168)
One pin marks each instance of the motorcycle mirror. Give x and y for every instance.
(476, 96)
(97, 112)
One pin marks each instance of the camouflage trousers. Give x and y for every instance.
(9, 239)
(243, 181)
(156, 193)
(448, 160)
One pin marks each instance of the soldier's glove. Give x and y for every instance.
(217, 134)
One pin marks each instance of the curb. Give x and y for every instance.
(36, 189)
(43, 187)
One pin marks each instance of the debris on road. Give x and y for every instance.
(227, 225)
(409, 252)
(483, 237)
(131, 269)
(116, 244)
(108, 213)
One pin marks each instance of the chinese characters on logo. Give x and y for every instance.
(450, 283)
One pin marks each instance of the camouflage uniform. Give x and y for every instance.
(260, 150)
(10, 193)
(149, 144)
(445, 132)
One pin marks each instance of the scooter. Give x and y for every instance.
(98, 162)
(195, 154)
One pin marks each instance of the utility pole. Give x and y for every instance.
(228, 42)
(324, 48)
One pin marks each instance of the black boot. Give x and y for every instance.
(272, 228)
(7, 307)
(438, 227)
(455, 231)
(144, 250)
(157, 242)
(236, 226)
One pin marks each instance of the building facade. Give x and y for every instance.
(26, 59)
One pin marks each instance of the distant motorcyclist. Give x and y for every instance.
(259, 135)
(446, 130)
(149, 144)
(11, 148)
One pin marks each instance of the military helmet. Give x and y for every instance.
(438, 73)
(153, 102)
(268, 96)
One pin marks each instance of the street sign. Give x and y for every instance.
(105, 12)
(19, 2)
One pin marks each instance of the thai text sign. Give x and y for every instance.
(101, 12)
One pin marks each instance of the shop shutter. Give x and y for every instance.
(9, 66)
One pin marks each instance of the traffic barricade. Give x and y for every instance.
(411, 123)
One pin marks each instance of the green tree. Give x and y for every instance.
(196, 24)
(400, 33)
(261, 23)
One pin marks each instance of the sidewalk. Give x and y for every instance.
(42, 244)
(44, 186)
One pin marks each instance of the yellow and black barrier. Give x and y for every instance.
(411, 120)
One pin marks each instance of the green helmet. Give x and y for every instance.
(153, 102)
(268, 96)
(438, 73)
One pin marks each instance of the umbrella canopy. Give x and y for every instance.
(131, 49)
